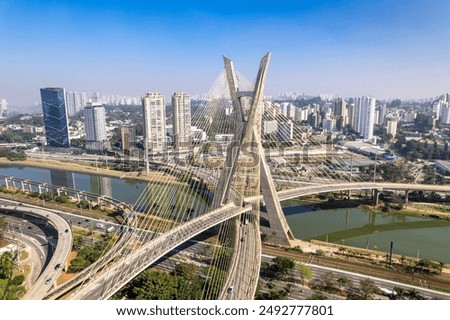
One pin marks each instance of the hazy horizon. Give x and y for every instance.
(385, 49)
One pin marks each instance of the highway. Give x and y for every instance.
(104, 285)
(61, 252)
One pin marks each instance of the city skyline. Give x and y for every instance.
(386, 50)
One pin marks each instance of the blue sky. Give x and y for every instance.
(381, 48)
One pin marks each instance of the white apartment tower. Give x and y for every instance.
(95, 126)
(154, 110)
(181, 119)
(364, 116)
(76, 101)
(3, 108)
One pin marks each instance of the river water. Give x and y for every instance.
(412, 236)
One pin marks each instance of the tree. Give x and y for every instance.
(368, 288)
(412, 294)
(77, 243)
(399, 293)
(185, 270)
(343, 282)
(318, 296)
(328, 282)
(305, 272)
(2, 227)
(282, 265)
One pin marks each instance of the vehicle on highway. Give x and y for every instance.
(230, 289)
(57, 266)
(48, 280)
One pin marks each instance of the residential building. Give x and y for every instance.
(392, 125)
(154, 110)
(3, 109)
(128, 134)
(76, 101)
(181, 120)
(95, 127)
(340, 108)
(364, 116)
(286, 131)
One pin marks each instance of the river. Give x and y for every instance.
(412, 236)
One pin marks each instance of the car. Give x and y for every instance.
(48, 280)
(66, 231)
(57, 266)
(62, 233)
(230, 289)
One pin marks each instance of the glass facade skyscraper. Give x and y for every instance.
(55, 117)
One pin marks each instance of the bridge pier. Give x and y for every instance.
(376, 196)
(406, 198)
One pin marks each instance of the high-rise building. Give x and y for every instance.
(154, 122)
(381, 116)
(288, 109)
(340, 108)
(3, 109)
(95, 126)
(181, 119)
(286, 131)
(269, 126)
(329, 124)
(55, 117)
(128, 134)
(76, 101)
(364, 116)
(392, 125)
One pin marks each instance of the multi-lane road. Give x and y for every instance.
(61, 250)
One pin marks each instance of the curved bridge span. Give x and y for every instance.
(316, 189)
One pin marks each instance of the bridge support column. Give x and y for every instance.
(376, 197)
(281, 233)
(39, 189)
(406, 197)
(6, 183)
(22, 185)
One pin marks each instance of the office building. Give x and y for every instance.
(55, 117)
(95, 127)
(364, 116)
(181, 120)
(154, 110)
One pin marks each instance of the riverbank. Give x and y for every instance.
(88, 169)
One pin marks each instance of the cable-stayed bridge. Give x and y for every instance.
(221, 182)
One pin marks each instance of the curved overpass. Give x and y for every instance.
(60, 255)
(108, 282)
(316, 189)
